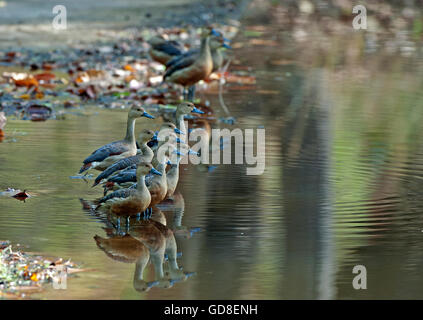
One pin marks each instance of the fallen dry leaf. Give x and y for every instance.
(27, 82)
(44, 76)
(22, 194)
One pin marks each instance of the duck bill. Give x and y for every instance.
(196, 110)
(147, 115)
(215, 33)
(178, 153)
(173, 281)
(178, 131)
(190, 151)
(154, 171)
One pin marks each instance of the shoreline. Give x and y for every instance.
(108, 22)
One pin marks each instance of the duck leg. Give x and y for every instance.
(117, 226)
(191, 93)
(150, 212)
(146, 214)
(185, 93)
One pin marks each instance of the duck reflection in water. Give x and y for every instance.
(176, 206)
(148, 241)
(128, 250)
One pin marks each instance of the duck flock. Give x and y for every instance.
(138, 176)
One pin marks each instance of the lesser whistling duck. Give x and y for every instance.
(177, 118)
(162, 50)
(165, 127)
(144, 155)
(187, 71)
(127, 177)
(217, 43)
(130, 202)
(157, 185)
(105, 156)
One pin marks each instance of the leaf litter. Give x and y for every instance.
(24, 273)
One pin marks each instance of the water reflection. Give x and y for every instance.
(147, 241)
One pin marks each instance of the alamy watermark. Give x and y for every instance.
(60, 20)
(360, 280)
(222, 146)
(360, 20)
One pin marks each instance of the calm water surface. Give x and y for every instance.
(342, 187)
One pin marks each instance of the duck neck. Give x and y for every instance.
(146, 150)
(205, 46)
(130, 130)
(174, 171)
(162, 169)
(179, 119)
(141, 184)
(180, 124)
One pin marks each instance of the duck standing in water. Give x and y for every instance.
(144, 155)
(127, 177)
(108, 154)
(187, 71)
(157, 185)
(130, 202)
(163, 50)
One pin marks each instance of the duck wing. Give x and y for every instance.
(122, 177)
(119, 165)
(182, 63)
(111, 149)
(171, 48)
(122, 193)
(184, 55)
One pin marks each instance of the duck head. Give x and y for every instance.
(145, 168)
(169, 127)
(137, 111)
(185, 149)
(188, 107)
(167, 136)
(146, 135)
(217, 40)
